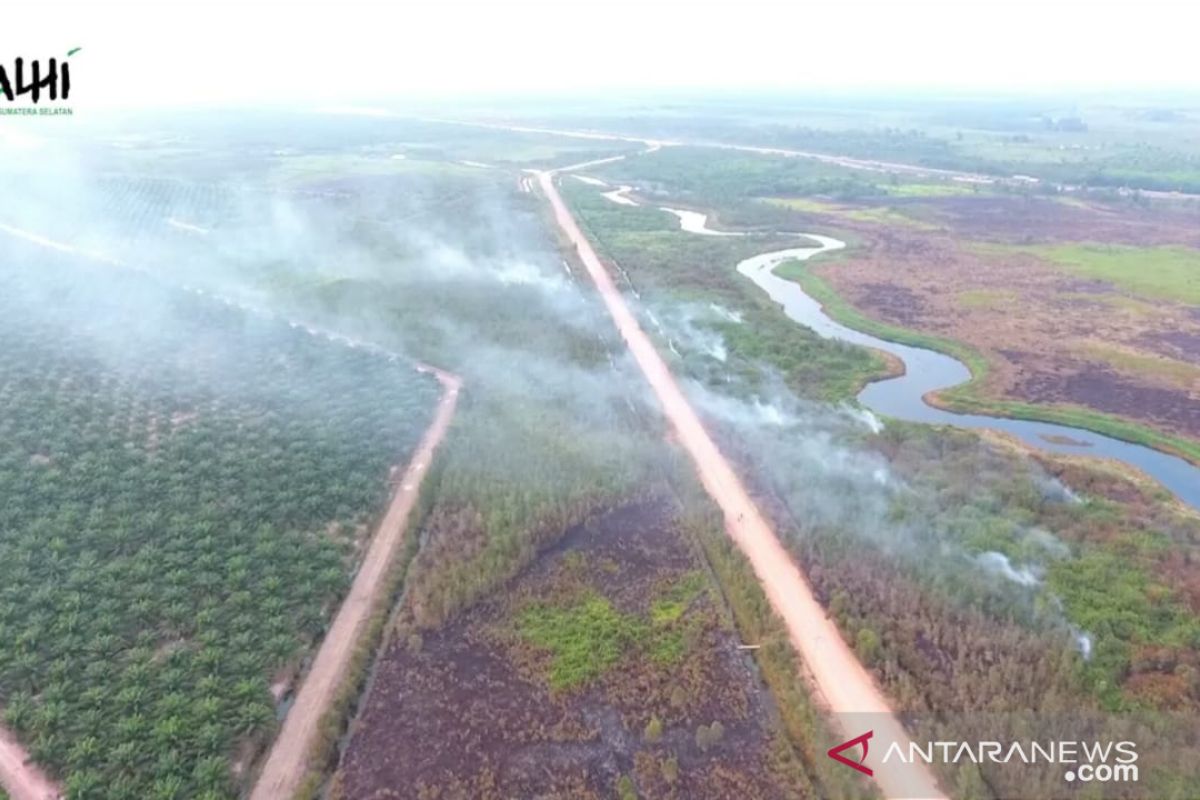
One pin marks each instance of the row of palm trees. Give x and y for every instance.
(175, 524)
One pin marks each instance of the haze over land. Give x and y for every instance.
(394, 403)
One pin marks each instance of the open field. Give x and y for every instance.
(1165, 272)
(1095, 141)
(1058, 343)
(604, 669)
(941, 505)
(1043, 325)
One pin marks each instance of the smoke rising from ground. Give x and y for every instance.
(451, 265)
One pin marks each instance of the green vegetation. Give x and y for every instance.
(654, 730)
(725, 176)
(1101, 145)
(975, 500)
(910, 614)
(1153, 273)
(883, 215)
(675, 601)
(668, 266)
(185, 490)
(200, 530)
(968, 398)
(807, 204)
(587, 636)
(1181, 372)
(943, 189)
(585, 639)
(1128, 612)
(889, 216)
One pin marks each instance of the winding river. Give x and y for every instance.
(928, 371)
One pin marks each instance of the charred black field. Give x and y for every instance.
(606, 668)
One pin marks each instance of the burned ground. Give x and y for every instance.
(1021, 219)
(1048, 336)
(606, 667)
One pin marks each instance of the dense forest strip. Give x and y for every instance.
(286, 764)
(19, 776)
(845, 685)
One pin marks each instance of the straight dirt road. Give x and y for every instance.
(844, 684)
(287, 763)
(19, 777)
(870, 165)
(849, 162)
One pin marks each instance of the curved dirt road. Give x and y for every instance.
(845, 685)
(287, 763)
(20, 777)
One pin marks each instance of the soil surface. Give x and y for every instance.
(287, 762)
(470, 710)
(22, 779)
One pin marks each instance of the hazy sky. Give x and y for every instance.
(202, 51)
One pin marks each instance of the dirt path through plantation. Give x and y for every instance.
(20, 777)
(287, 763)
(846, 686)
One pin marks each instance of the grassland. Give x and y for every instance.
(607, 663)
(1126, 374)
(1149, 273)
(969, 397)
(942, 189)
(669, 267)
(878, 599)
(871, 213)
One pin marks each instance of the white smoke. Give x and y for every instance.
(866, 417)
(999, 564)
(725, 313)
(1084, 642)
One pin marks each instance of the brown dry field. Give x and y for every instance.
(468, 711)
(1050, 337)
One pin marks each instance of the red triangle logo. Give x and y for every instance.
(835, 752)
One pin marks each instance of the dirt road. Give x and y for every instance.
(844, 683)
(849, 162)
(287, 762)
(19, 777)
(869, 165)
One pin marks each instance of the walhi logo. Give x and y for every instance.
(33, 80)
